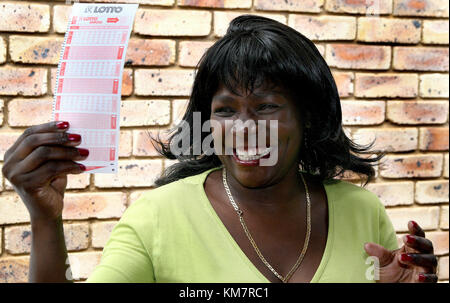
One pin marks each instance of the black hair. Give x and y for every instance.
(256, 50)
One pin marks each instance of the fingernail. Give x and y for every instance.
(83, 152)
(406, 258)
(82, 167)
(422, 278)
(74, 137)
(410, 239)
(62, 125)
(415, 224)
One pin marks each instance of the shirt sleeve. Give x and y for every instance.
(388, 236)
(125, 258)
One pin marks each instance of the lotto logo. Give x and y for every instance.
(103, 9)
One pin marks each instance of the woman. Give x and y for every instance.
(225, 217)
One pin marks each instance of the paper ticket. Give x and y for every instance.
(89, 79)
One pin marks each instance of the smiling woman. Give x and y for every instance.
(226, 217)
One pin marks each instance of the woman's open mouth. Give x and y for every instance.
(251, 156)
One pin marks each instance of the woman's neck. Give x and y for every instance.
(278, 196)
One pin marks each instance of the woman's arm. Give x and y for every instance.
(48, 259)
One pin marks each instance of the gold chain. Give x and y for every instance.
(249, 236)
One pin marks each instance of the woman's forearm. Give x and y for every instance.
(48, 260)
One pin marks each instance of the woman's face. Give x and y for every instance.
(264, 104)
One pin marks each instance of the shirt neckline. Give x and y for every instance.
(328, 246)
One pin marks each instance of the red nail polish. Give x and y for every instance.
(62, 125)
(406, 258)
(410, 239)
(74, 137)
(82, 167)
(415, 224)
(83, 152)
(422, 278)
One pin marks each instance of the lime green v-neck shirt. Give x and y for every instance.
(172, 234)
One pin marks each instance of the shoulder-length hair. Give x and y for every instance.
(257, 50)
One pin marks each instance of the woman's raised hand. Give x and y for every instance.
(413, 262)
(37, 165)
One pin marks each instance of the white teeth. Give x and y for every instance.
(250, 154)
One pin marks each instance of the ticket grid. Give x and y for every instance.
(89, 79)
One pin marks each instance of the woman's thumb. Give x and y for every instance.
(378, 251)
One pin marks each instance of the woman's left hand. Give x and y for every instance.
(414, 262)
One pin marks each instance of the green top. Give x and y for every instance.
(173, 234)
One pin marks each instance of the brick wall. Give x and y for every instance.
(391, 72)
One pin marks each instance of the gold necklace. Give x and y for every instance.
(249, 236)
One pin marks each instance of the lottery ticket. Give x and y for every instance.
(89, 79)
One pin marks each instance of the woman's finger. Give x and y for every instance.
(420, 244)
(427, 278)
(415, 229)
(54, 126)
(422, 260)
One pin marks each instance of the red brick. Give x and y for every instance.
(82, 264)
(77, 181)
(434, 86)
(372, 29)
(359, 6)
(2, 104)
(125, 144)
(24, 17)
(150, 52)
(443, 268)
(344, 83)
(417, 112)
(144, 112)
(421, 58)
(2, 50)
(427, 217)
(142, 143)
(161, 82)
(389, 85)
(24, 81)
(435, 32)
(358, 56)
(12, 209)
(223, 19)
(130, 174)
(440, 242)
(324, 27)
(355, 112)
(27, 112)
(127, 81)
(444, 217)
(7, 139)
(433, 138)
(179, 107)
(14, 270)
(411, 166)
(94, 205)
(18, 238)
(388, 139)
(446, 166)
(101, 232)
(423, 8)
(216, 3)
(311, 6)
(31, 49)
(190, 52)
(434, 191)
(158, 22)
(61, 14)
(393, 193)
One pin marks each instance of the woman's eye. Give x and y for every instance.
(224, 111)
(267, 107)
